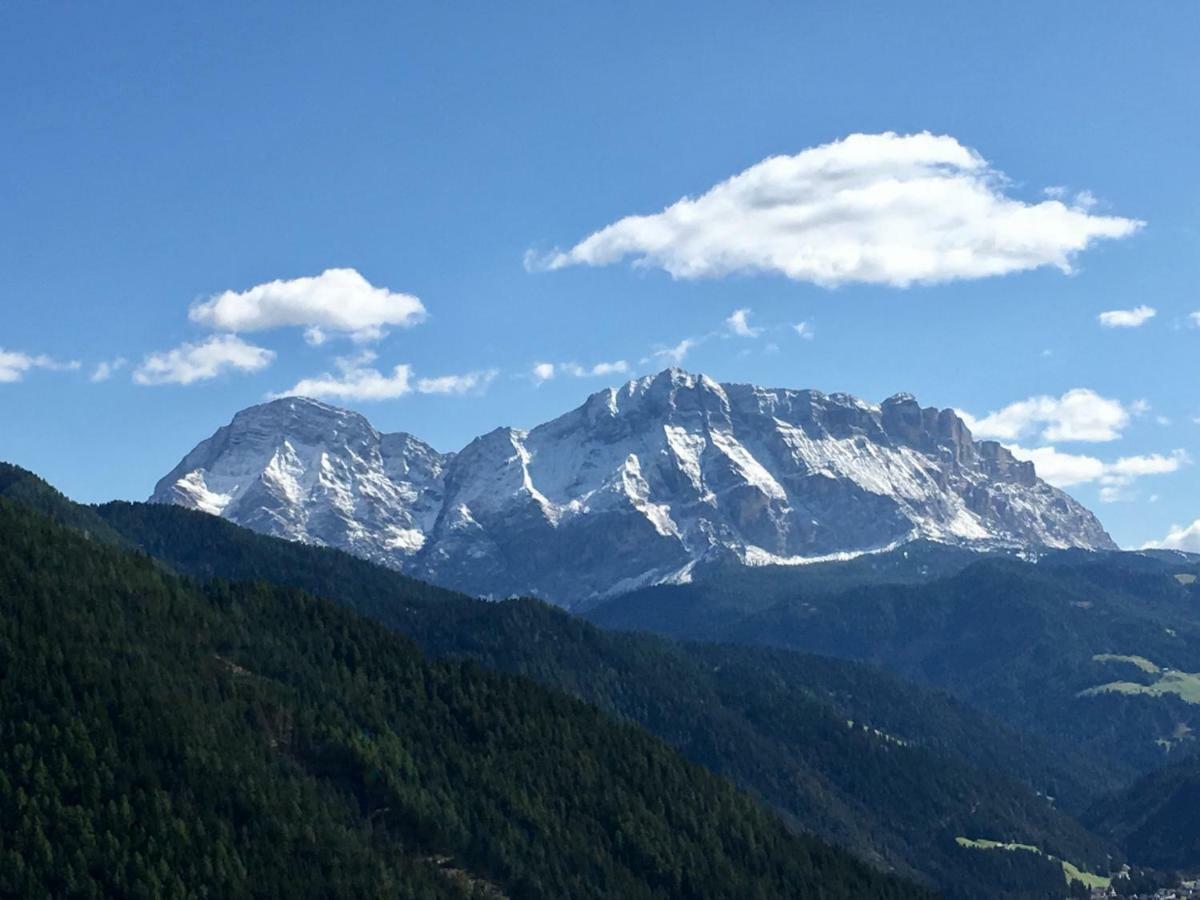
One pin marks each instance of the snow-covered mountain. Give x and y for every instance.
(646, 483)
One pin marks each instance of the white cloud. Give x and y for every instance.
(357, 379)
(14, 364)
(457, 384)
(804, 330)
(198, 362)
(104, 370)
(1195, 317)
(1127, 318)
(874, 208)
(739, 324)
(1078, 415)
(1060, 469)
(598, 370)
(544, 371)
(675, 355)
(1180, 537)
(340, 301)
(1067, 469)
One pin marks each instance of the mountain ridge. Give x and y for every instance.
(638, 485)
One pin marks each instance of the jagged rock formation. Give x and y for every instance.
(645, 483)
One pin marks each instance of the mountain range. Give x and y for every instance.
(651, 483)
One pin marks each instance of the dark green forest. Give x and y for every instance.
(1157, 817)
(1016, 640)
(166, 738)
(877, 764)
(774, 722)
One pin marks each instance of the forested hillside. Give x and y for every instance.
(162, 738)
(914, 772)
(1098, 652)
(1156, 819)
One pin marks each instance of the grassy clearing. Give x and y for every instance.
(1185, 578)
(1185, 685)
(1071, 872)
(1140, 661)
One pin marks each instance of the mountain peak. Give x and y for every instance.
(644, 483)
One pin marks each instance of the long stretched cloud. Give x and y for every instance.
(189, 363)
(875, 208)
(14, 364)
(1078, 415)
(1066, 469)
(357, 378)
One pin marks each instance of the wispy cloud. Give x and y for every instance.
(804, 330)
(14, 365)
(104, 370)
(338, 301)
(873, 208)
(1179, 537)
(675, 355)
(189, 363)
(544, 371)
(356, 378)
(738, 323)
(1127, 318)
(457, 384)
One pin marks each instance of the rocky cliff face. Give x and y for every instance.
(647, 483)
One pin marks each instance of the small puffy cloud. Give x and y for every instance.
(104, 370)
(1127, 318)
(804, 330)
(14, 364)
(356, 378)
(338, 301)
(873, 208)
(1179, 537)
(1078, 415)
(739, 324)
(1195, 317)
(457, 384)
(543, 371)
(188, 363)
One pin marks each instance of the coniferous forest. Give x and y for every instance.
(192, 709)
(166, 738)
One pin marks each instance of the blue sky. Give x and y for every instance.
(155, 158)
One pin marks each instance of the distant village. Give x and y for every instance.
(1187, 889)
